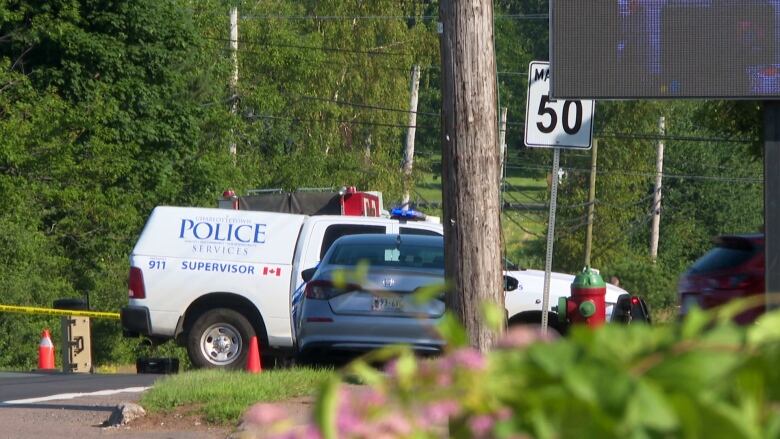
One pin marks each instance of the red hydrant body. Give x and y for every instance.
(586, 304)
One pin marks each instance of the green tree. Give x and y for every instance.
(33, 268)
(120, 131)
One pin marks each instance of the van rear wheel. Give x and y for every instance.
(219, 338)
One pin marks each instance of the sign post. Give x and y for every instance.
(550, 123)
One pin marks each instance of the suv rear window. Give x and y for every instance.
(336, 231)
(723, 257)
(415, 231)
(419, 256)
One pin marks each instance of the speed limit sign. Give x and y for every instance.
(551, 123)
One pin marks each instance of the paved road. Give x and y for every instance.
(30, 386)
(40, 405)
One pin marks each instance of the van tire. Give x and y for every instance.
(219, 339)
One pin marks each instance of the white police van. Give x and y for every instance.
(213, 278)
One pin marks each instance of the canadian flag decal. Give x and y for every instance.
(268, 271)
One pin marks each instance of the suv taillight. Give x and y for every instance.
(135, 284)
(740, 281)
(325, 289)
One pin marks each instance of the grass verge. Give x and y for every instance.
(220, 397)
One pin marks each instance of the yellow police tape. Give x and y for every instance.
(59, 312)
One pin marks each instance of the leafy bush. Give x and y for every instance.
(697, 379)
(656, 283)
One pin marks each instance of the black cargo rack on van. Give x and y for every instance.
(305, 201)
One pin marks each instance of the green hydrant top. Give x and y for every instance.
(588, 279)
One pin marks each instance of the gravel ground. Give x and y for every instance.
(83, 418)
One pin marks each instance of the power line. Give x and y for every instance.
(745, 180)
(697, 165)
(672, 137)
(540, 206)
(625, 205)
(627, 231)
(515, 190)
(336, 49)
(340, 17)
(656, 137)
(533, 16)
(324, 49)
(509, 217)
(316, 61)
(326, 120)
(366, 106)
(360, 65)
(419, 195)
(510, 73)
(571, 229)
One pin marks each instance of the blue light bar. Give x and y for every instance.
(409, 214)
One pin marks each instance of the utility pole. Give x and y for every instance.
(367, 151)
(410, 133)
(502, 144)
(659, 171)
(591, 201)
(470, 166)
(234, 77)
(772, 204)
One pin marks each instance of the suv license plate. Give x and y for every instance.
(386, 304)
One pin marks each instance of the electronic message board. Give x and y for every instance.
(624, 49)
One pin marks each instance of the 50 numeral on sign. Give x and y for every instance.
(569, 129)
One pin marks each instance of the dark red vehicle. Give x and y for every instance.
(733, 269)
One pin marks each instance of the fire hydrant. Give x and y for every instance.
(586, 304)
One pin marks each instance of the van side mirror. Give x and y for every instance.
(510, 283)
(308, 273)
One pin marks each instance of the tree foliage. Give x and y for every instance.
(108, 109)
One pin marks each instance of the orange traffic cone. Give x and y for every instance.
(253, 357)
(46, 352)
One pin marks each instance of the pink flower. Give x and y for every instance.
(504, 414)
(396, 424)
(481, 425)
(440, 411)
(311, 432)
(469, 358)
(348, 422)
(308, 432)
(444, 379)
(264, 414)
(521, 336)
(391, 367)
(368, 398)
